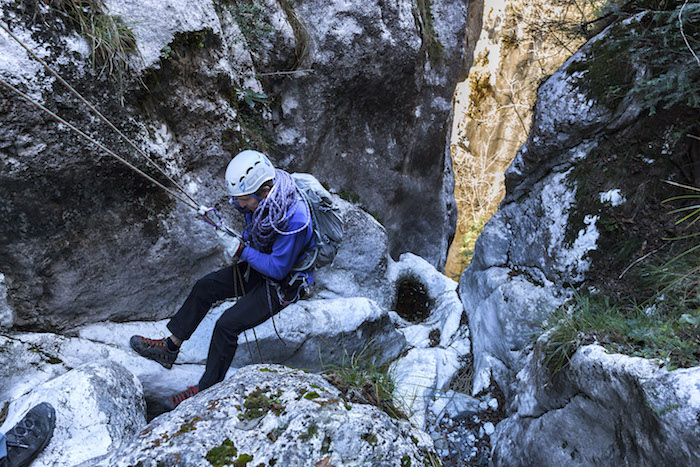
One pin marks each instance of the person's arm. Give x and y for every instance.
(279, 262)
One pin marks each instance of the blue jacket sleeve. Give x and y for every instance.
(286, 250)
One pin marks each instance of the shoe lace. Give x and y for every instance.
(154, 342)
(19, 433)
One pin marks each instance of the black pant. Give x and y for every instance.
(258, 304)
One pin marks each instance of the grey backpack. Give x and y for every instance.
(328, 223)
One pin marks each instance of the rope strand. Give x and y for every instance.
(98, 144)
(98, 113)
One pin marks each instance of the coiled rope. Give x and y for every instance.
(273, 213)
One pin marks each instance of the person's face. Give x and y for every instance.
(249, 202)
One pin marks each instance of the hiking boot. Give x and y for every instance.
(154, 349)
(176, 399)
(26, 440)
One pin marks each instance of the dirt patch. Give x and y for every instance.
(636, 161)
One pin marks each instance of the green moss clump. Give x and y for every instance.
(190, 40)
(222, 455)
(326, 445)
(188, 426)
(646, 57)
(310, 432)
(311, 395)
(371, 438)
(604, 82)
(424, 18)
(242, 460)
(258, 404)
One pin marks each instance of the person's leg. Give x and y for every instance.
(251, 310)
(211, 288)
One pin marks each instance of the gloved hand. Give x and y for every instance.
(233, 247)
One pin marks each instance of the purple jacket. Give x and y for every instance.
(287, 250)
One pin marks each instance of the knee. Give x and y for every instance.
(203, 287)
(225, 332)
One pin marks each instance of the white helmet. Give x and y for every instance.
(247, 172)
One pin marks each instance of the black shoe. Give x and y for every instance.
(176, 399)
(154, 349)
(26, 440)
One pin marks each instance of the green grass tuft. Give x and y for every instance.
(362, 379)
(111, 40)
(664, 325)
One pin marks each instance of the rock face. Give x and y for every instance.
(560, 228)
(98, 407)
(529, 252)
(627, 408)
(374, 107)
(516, 50)
(270, 414)
(85, 239)
(425, 349)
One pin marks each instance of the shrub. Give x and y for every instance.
(664, 325)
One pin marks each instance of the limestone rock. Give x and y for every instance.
(85, 239)
(97, 236)
(99, 408)
(307, 334)
(360, 267)
(270, 413)
(527, 257)
(605, 406)
(548, 239)
(31, 359)
(420, 378)
(445, 311)
(369, 112)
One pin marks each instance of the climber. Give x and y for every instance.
(278, 234)
(20, 446)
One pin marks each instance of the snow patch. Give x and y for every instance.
(614, 197)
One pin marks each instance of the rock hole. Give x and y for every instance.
(412, 300)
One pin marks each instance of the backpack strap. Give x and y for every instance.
(311, 253)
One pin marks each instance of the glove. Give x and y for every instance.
(233, 247)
